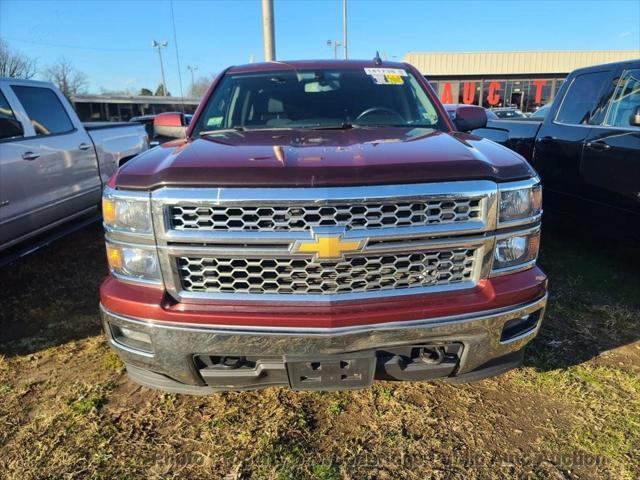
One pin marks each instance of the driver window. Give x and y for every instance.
(582, 99)
(626, 100)
(218, 110)
(429, 113)
(10, 127)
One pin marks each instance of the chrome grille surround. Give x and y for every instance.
(424, 244)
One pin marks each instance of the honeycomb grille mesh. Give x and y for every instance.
(303, 218)
(361, 273)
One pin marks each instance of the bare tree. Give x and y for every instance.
(161, 93)
(15, 64)
(200, 86)
(68, 79)
(122, 92)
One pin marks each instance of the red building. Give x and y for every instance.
(526, 80)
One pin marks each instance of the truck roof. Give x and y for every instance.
(635, 63)
(22, 81)
(312, 64)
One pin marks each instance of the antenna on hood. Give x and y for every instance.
(377, 60)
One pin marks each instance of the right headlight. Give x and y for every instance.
(138, 263)
(516, 251)
(126, 211)
(520, 203)
(131, 252)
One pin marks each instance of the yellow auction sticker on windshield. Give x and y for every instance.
(394, 79)
(386, 76)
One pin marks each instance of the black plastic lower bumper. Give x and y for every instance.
(352, 372)
(343, 371)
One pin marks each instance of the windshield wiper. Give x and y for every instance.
(243, 129)
(393, 125)
(222, 130)
(349, 126)
(335, 126)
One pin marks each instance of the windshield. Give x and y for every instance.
(320, 98)
(509, 113)
(542, 111)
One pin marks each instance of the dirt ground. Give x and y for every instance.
(67, 409)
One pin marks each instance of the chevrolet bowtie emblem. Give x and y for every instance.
(328, 246)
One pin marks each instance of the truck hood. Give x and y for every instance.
(306, 158)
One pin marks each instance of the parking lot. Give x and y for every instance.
(67, 409)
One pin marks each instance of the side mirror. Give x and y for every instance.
(470, 117)
(634, 119)
(10, 127)
(170, 124)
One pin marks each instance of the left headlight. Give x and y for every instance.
(520, 203)
(126, 211)
(134, 262)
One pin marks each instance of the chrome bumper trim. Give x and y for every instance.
(175, 344)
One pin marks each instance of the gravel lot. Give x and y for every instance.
(67, 409)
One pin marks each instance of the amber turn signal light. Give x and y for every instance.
(109, 210)
(114, 256)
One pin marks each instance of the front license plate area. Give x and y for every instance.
(344, 372)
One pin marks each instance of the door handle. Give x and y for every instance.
(598, 145)
(84, 146)
(545, 140)
(30, 155)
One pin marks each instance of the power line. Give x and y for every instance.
(78, 47)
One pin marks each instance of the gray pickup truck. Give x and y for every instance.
(52, 166)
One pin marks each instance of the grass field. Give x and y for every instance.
(573, 411)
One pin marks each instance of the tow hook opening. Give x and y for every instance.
(222, 362)
(432, 355)
(419, 362)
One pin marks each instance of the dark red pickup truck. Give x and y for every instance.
(319, 225)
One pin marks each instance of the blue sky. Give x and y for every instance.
(111, 41)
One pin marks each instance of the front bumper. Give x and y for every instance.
(484, 343)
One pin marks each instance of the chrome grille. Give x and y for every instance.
(357, 273)
(244, 244)
(373, 215)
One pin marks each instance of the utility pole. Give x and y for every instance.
(334, 44)
(344, 28)
(160, 46)
(192, 68)
(268, 31)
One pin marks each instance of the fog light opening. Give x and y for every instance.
(519, 326)
(130, 338)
